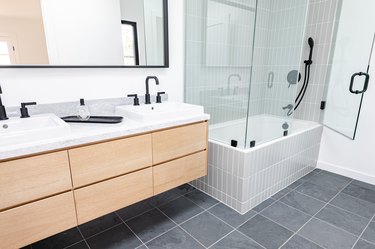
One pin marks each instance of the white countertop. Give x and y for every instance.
(88, 133)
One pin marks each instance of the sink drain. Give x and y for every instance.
(5, 126)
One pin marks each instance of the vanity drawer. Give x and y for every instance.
(102, 161)
(33, 178)
(178, 142)
(108, 196)
(177, 172)
(32, 222)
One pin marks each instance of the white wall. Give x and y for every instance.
(356, 158)
(58, 85)
(76, 36)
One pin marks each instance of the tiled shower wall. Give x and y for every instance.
(244, 178)
(320, 25)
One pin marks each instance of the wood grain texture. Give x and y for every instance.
(33, 178)
(177, 172)
(178, 142)
(98, 162)
(32, 222)
(108, 196)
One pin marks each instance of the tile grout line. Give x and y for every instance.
(319, 210)
(123, 222)
(84, 239)
(178, 225)
(359, 237)
(312, 217)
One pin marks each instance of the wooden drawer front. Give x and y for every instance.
(32, 222)
(98, 162)
(33, 178)
(105, 197)
(178, 142)
(180, 171)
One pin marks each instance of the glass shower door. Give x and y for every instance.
(350, 60)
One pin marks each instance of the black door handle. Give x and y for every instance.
(367, 79)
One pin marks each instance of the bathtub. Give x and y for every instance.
(243, 178)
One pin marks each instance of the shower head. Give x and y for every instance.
(310, 41)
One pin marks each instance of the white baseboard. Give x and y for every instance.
(357, 175)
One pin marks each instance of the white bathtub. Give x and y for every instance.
(243, 178)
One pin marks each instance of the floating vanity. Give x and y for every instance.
(52, 185)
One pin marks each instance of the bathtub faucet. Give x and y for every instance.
(290, 109)
(229, 81)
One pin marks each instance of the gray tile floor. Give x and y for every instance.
(321, 210)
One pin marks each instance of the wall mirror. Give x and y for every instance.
(84, 33)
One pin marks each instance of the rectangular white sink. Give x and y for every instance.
(38, 127)
(157, 112)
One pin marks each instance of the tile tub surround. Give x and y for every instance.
(89, 133)
(289, 219)
(244, 178)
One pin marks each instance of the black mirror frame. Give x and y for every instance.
(166, 52)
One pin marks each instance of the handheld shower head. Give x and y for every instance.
(310, 41)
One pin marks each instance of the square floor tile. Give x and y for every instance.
(302, 202)
(361, 244)
(265, 232)
(230, 216)
(236, 240)
(61, 240)
(369, 233)
(149, 225)
(297, 242)
(100, 224)
(316, 191)
(281, 193)
(326, 235)
(354, 205)
(135, 209)
(263, 205)
(286, 216)
(350, 222)
(330, 180)
(79, 245)
(173, 239)
(201, 199)
(184, 189)
(296, 184)
(114, 238)
(206, 228)
(361, 190)
(165, 197)
(181, 209)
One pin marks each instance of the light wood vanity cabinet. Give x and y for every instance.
(46, 194)
(101, 161)
(29, 223)
(32, 178)
(108, 196)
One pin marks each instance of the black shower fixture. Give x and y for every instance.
(306, 79)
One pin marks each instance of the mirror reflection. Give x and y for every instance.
(83, 32)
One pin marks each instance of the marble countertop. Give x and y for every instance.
(88, 133)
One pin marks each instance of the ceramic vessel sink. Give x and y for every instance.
(37, 127)
(159, 112)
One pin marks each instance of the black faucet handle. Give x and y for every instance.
(136, 99)
(24, 110)
(158, 97)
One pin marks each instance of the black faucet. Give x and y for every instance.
(3, 113)
(147, 95)
(24, 110)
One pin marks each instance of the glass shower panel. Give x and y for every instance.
(351, 55)
(218, 59)
(279, 40)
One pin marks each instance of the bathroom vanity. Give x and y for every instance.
(46, 192)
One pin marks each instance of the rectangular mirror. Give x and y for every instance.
(84, 33)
